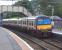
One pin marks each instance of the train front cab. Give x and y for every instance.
(44, 27)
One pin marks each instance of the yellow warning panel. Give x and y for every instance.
(42, 27)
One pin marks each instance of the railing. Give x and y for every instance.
(58, 24)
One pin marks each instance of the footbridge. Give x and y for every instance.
(5, 8)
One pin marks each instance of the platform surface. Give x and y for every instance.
(57, 31)
(9, 41)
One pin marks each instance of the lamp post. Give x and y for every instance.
(52, 9)
(18, 15)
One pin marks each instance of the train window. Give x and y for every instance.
(23, 22)
(19, 22)
(14, 22)
(26, 22)
(32, 23)
(29, 23)
(32, 28)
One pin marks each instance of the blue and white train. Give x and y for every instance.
(39, 26)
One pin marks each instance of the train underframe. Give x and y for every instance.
(33, 32)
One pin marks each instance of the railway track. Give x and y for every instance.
(56, 40)
(45, 44)
(53, 42)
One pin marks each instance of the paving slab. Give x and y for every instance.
(57, 31)
(57, 34)
(7, 42)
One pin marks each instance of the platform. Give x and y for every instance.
(57, 31)
(57, 34)
(10, 41)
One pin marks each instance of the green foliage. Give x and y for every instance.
(33, 6)
(48, 10)
(26, 4)
(58, 10)
(14, 15)
(42, 6)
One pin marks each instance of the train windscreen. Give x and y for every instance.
(43, 21)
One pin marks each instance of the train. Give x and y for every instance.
(38, 26)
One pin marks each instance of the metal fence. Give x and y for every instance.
(58, 24)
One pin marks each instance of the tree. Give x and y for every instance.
(58, 10)
(36, 6)
(42, 6)
(26, 4)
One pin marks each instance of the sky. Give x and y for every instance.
(7, 2)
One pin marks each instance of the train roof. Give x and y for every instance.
(11, 19)
(34, 17)
(14, 19)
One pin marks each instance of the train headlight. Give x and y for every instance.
(39, 29)
(52, 23)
